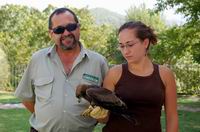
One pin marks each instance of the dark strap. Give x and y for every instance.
(33, 130)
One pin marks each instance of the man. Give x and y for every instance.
(48, 86)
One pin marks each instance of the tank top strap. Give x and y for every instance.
(157, 73)
(124, 73)
(124, 68)
(156, 69)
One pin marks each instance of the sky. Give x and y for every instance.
(119, 6)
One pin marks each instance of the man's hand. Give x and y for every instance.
(29, 105)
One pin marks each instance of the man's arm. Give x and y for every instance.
(29, 105)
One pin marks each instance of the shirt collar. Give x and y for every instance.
(51, 51)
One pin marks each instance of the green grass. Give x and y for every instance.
(7, 97)
(188, 121)
(16, 120)
(191, 101)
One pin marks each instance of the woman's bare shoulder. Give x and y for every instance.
(164, 70)
(166, 74)
(112, 77)
(116, 69)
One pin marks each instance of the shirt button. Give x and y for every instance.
(65, 94)
(64, 111)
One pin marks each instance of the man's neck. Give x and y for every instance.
(68, 57)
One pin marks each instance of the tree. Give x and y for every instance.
(20, 35)
(191, 8)
(186, 44)
(191, 29)
(147, 16)
(4, 71)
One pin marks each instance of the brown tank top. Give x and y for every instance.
(144, 97)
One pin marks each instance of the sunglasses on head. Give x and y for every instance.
(70, 27)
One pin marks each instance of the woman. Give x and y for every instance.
(144, 86)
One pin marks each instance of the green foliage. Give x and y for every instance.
(187, 75)
(191, 29)
(174, 49)
(114, 55)
(171, 46)
(23, 30)
(20, 35)
(4, 71)
(193, 33)
(93, 36)
(179, 46)
(148, 16)
(191, 8)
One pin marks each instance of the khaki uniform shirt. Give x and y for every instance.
(45, 82)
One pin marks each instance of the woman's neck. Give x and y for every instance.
(143, 68)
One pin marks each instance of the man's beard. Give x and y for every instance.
(71, 46)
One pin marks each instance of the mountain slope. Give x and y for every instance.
(104, 16)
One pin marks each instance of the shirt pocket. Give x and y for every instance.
(43, 88)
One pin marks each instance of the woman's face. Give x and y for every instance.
(132, 48)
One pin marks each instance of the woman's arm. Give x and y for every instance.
(109, 83)
(170, 99)
(112, 77)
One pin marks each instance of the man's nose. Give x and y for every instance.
(66, 32)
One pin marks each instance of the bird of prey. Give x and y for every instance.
(98, 96)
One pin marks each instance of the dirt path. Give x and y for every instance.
(187, 108)
(11, 106)
(20, 105)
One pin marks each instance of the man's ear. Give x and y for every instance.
(50, 33)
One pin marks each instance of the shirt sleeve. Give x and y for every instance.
(25, 90)
(104, 67)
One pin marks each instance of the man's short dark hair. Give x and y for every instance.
(60, 11)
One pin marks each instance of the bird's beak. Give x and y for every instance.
(79, 100)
